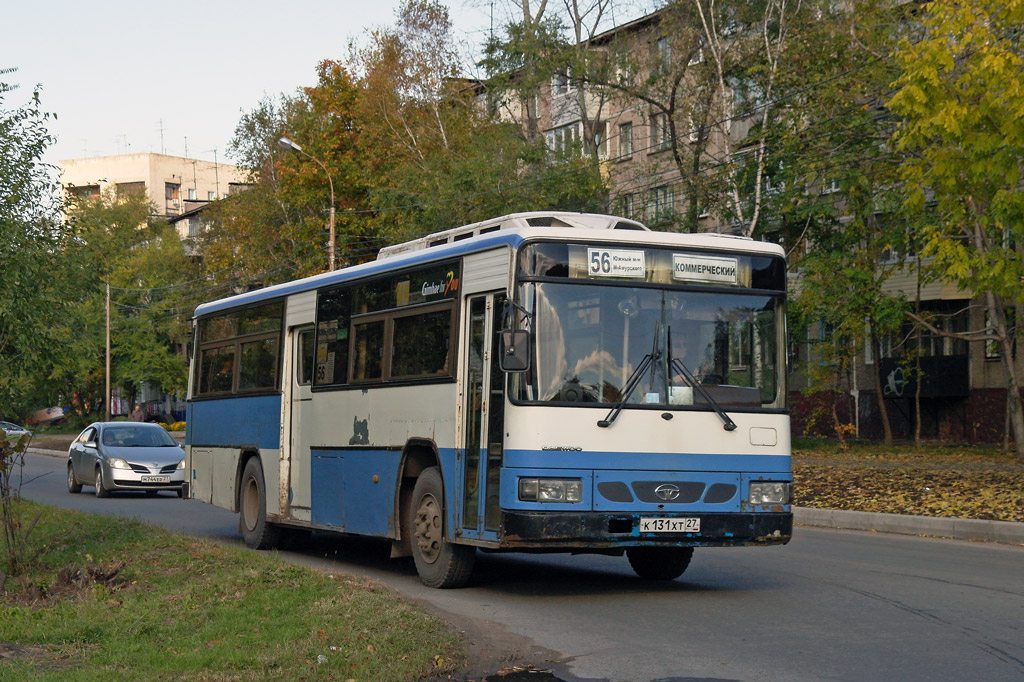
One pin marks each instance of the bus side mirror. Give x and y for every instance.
(514, 350)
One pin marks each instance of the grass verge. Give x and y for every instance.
(112, 599)
(933, 480)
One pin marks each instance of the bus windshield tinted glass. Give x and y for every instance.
(589, 339)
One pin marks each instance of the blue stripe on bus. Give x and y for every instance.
(235, 422)
(437, 253)
(646, 461)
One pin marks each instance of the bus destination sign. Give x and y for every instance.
(692, 268)
(616, 263)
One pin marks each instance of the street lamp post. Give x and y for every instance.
(285, 143)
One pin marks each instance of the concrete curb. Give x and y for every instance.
(959, 529)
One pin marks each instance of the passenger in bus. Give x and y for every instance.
(699, 367)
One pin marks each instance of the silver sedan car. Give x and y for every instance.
(125, 456)
(13, 431)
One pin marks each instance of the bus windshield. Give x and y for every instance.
(590, 338)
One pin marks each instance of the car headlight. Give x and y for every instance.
(770, 492)
(550, 489)
(181, 464)
(118, 463)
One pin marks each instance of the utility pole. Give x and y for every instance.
(106, 401)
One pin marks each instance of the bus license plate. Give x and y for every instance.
(686, 525)
(156, 479)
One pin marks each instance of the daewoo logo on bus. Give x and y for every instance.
(449, 285)
(667, 491)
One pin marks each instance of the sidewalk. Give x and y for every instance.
(943, 527)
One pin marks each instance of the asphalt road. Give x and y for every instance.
(831, 605)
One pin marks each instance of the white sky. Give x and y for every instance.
(141, 76)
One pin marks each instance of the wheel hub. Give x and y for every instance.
(428, 531)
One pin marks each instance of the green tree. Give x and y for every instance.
(837, 202)
(961, 99)
(408, 146)
(144, 262)
(39, 283)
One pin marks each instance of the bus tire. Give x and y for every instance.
(252, 508)
(439, 563)
(659, 563)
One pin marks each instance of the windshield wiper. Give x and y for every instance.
(727, 423)
(633, 381)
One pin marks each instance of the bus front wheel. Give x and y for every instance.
(659, 563)
(438, 562)
(252, 506)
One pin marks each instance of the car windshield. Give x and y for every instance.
(136, 435)
(590, 339)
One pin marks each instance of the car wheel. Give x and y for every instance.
(73, 485)
(438, 562)
(100, 490)
(252, 505)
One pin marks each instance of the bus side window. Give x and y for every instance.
(367, 350)
(421, 344)
(259, 364)
(304, 364)
(217, 369)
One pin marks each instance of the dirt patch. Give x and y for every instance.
(71, 582)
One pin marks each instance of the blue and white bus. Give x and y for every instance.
(539, 382)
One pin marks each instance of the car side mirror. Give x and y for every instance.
(514, 350)
(91, 444)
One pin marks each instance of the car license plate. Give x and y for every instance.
(685, 525)
(156, 479)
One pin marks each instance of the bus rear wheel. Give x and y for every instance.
(659, 563)
(439, 563)
(252, 506)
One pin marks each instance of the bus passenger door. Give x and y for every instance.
(483, 430)
(298, 460)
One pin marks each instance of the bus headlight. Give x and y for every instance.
(550, 490)
(769, 492)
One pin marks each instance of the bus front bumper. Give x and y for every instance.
(562, 531)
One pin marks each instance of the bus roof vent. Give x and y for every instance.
(628, 225)
(546, 221)
(592, 221)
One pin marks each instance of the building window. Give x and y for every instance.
(659, 204)
(600, 140)
(627, 205)
(124, 189)
(626, 139)
(172, 193)
(663, 55)
(210, 196)
(563, 138)
(561, 84)
(660, 136)
(84, 191)
(192, 196)
(992, 350)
